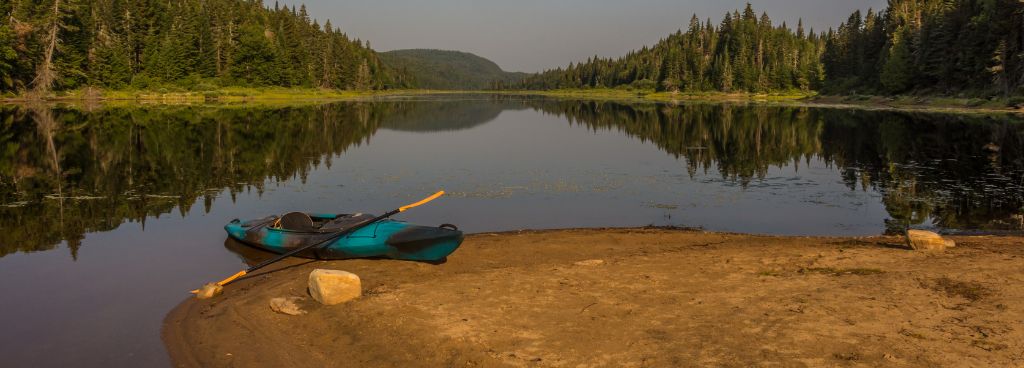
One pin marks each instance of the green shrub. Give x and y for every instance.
(645, 84)
(1015, 102)
(143, 81)
(195, 82)
(975, 102)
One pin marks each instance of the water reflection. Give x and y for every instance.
(249, 255)
(426, 116)
(955, 171)
(67, 172)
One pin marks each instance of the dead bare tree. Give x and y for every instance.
(45, 73)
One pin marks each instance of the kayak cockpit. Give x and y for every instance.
(306, 223)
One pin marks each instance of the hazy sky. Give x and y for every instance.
(532, 35)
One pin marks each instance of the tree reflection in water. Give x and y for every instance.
(66, 172)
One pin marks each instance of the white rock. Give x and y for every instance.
(590, 262)
(927, 240)
(331, 287)
(287, 306)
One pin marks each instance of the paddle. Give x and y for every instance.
(333, 237)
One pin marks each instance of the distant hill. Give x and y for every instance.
(442, 69)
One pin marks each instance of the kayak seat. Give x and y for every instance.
(344, 221)
(297, 221)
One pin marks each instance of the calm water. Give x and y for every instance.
(109, 215)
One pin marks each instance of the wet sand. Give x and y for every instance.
(661, 298)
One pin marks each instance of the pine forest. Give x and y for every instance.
(937, 47)
(199, 44)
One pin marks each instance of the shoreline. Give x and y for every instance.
(865, 102)
(230, 95)
(656, 297)
(292, 96)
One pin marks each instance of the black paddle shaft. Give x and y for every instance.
(323, 242)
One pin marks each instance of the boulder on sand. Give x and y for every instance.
(330, 287)
(927, 240)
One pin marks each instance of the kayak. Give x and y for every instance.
(383, 239)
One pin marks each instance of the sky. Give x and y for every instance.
(534, 35)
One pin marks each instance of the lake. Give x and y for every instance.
(109, 215)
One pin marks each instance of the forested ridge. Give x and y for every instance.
(445, 69)
(196, 44)
(913, 46)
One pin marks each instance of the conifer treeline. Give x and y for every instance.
(913, 46)
(921, 46)
(743, 53)
(65, 44)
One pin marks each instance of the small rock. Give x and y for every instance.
(927, 240)
(330, 287)
(590, 262)
(209, 291)
(287, 306)
(379, 290)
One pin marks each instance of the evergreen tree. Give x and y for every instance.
(255, 59)
(8, 58)
(898, 71)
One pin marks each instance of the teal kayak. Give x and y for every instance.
(383, 239)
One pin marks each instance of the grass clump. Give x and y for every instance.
(1015, 102)
(770, 273)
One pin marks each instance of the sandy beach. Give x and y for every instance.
(631, 298)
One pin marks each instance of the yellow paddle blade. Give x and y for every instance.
(225, 281)
(420, 203)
